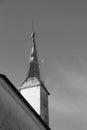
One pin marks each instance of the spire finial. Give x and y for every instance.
(32, 26)
(33, 35)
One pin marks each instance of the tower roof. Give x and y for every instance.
(34, 67)
(34, 70)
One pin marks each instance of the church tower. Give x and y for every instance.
(33, 88)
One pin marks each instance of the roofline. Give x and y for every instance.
(41, 83)
(23, 99)
(44, 87)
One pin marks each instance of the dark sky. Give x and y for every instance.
(61, 27)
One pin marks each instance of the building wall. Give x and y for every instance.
(14, 115)
(44, 105)
(32, 95)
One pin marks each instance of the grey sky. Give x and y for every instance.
(61, 27)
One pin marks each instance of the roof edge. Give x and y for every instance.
(4, 77)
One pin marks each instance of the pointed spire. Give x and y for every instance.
(34, 65)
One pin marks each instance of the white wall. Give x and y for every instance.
(32, 95)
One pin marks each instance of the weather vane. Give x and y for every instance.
(33, 31)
